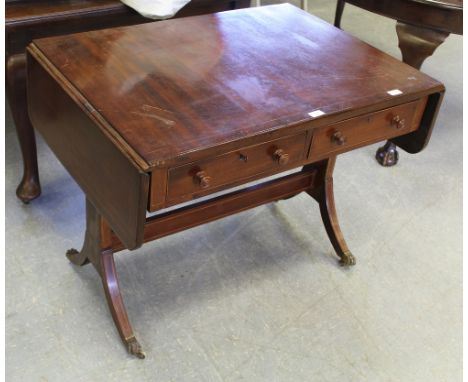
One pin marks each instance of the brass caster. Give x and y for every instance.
(72, 251)
(347, 260)
(134, 347)
(76, 257)
(72, 254)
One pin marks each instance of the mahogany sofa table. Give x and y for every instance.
(152, 116)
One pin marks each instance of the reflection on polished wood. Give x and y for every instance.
(26, 20)
(150, 116)
(422, 25)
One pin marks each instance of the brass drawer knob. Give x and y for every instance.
(338, 138)
(398, 122)
(281, 157)
(203, 179)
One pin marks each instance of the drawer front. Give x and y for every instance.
(212, 174)
(359, 131)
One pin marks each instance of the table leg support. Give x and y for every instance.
(110, 283)
(323, 193)
(97, 249)
(101, 242)
(339, 13)
(29, 187)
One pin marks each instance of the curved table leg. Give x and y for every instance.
(416, 44)
(29, 187)
(110, 283)
(97, 250)
(323, 193)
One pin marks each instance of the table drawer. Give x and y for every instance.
(359, 131)
(207, 175)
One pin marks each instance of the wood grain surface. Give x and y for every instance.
(174, 88)
(115, 185)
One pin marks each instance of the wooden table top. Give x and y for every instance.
(443, 3)
(173, 87)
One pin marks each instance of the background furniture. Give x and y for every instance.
(30, 19)
(422, 25)
(304, 4)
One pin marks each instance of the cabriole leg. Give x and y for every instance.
(323, 193)
(418, 43)
(29, 187)
(97, 250)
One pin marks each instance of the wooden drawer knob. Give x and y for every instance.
(243, 157)
(281, 157)
(203, 179)
(338, 138)
(398, 122)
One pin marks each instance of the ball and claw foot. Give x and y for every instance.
(72, 251)
(134, 347)
(387, 155)
(347, 259)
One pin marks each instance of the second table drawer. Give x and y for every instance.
(358, 131)
(211, 174)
